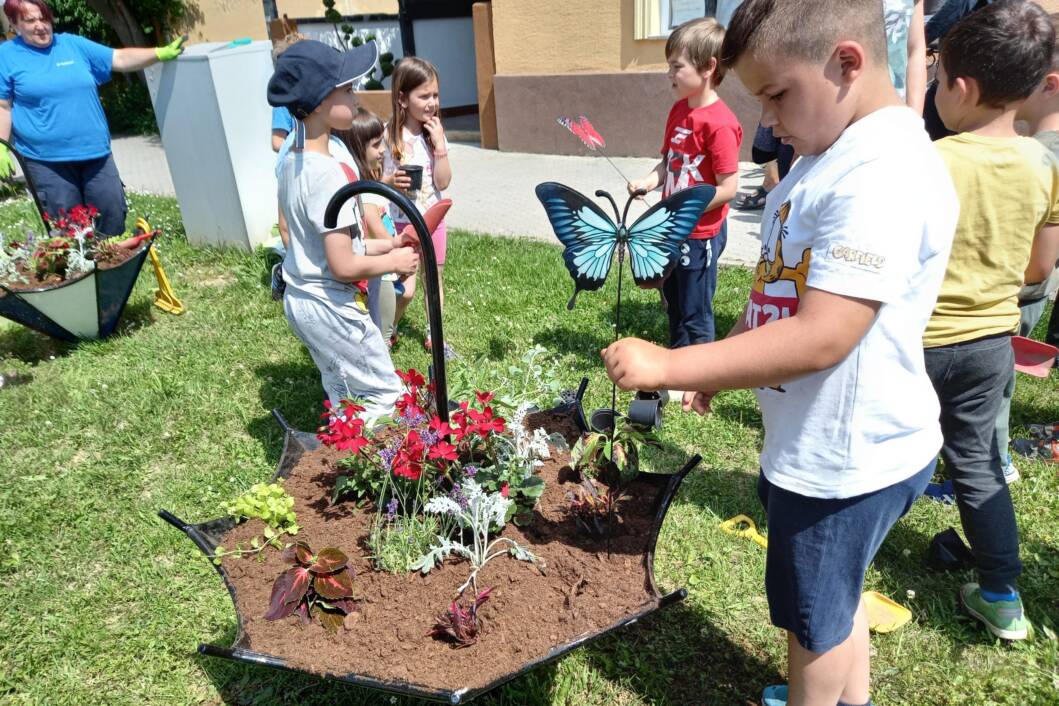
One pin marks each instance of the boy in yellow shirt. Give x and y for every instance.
(1007, 234)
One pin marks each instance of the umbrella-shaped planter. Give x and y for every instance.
(80, 306)
(546, 586)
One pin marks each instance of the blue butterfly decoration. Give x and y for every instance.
(590, 236)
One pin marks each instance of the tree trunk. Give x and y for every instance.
(117, 14)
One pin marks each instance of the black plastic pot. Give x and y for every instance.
(207, 535)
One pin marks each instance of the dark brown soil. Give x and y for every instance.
(529, 612)
(554, 422)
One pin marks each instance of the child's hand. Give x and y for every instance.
(405, 260)
(638, 187)
(697, 401)
(436, 132)
(634, 364)
(407, 239)
(399, 180)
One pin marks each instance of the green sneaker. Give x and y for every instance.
(1004, 619)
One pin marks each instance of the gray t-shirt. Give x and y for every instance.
(1031, 292)
(307, 181)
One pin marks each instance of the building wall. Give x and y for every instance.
(564, 36)
(315, 8)
(225, 20)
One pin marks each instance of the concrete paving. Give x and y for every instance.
(492, 192)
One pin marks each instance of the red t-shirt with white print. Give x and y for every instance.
(699, 144)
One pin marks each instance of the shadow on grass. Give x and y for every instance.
(294, 389)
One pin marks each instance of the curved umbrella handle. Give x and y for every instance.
(430, 276)
(29, 183)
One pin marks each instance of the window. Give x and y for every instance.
(657, 18)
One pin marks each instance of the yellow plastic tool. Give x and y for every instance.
(743, 526)
(884, 614)
(164, 298)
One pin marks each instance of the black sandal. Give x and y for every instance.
(754, 201)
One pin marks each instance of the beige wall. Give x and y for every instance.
(315, 8)
(225, 20)
(564, 36)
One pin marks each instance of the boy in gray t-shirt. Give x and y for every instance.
(326, 268)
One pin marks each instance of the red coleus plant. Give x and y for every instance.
(425, 444)
(319, 586)
(460, 624)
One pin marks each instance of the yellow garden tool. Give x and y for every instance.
(164, 298)
(743, 526)
(884, 614)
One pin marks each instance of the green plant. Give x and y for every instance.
(348, 39)
(613, 459)
(267, 502)
(532, 380)
(319, 586)
(127, 105)
(397, 544)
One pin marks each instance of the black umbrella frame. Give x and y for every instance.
(208, 535)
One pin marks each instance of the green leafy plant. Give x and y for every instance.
(319, 586)
(267, 502)
(475, 512)
(613, 459)
(531, 381)
(397, 544)
(349, 39)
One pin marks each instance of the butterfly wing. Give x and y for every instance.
(655, 237)
(587, 234)
(578, 131)
(591, 133)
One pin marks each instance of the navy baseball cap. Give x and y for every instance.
(308, 71)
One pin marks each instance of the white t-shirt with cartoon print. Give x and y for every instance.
(873, 217)
(416, 152)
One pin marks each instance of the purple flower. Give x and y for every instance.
(387, 454)
(391, 510)
(457, 495)
(411, 419)
(469, 471)
(428, 437)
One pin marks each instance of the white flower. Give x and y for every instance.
(442, 505)
(911, 594)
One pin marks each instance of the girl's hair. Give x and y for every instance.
(14, 8)
(367, 126)
(411, 73)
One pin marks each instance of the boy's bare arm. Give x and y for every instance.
(823, 332)
(650, 182)
(1043, 255)
(727, 188)
(347, 267)
(916, 70)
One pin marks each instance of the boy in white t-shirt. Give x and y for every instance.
(854, 247)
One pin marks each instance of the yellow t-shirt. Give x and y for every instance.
(1008, 189)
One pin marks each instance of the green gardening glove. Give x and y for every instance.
(7, 165)
(172, 50)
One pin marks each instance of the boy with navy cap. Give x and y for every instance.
(325, 269)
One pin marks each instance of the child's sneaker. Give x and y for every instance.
(278, 285)
(1011, 474)
(1004, 619)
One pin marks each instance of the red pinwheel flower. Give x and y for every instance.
(443, 451)
(484, 398)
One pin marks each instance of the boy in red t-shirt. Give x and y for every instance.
(701, 147)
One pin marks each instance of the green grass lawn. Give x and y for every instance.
(102, 602)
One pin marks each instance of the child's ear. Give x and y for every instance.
(850, 57)
(710, 70)
(1050, 87)
(966, 89)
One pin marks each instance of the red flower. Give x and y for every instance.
(408, 405)
(405, 469)
(442, 429)
(504, 489)
(443, 451)
(484, 398)
(413, 379)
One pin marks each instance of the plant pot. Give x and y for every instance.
(434, 684)
(602, 420)
(83, 309)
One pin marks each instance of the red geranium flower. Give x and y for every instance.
(484, 398)
(412, 378)
(504, 489)
(442, 429)
(444, 451)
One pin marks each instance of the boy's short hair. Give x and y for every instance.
(795, 29)
(1005, 47)
(701, 40)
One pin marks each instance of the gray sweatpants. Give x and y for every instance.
(349, 352)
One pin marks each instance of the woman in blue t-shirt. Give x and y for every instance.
(50, 103)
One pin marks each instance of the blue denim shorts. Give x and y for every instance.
(818, 551)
